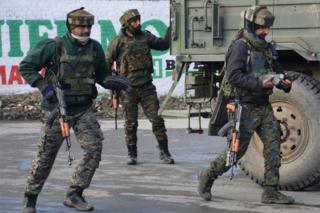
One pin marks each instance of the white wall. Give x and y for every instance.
(22, 11)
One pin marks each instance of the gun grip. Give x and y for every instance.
(115, 103)
(231, 107)
(235, 143)
(65, 128)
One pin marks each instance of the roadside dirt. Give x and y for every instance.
(27, 107)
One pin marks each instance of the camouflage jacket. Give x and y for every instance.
(133, 55)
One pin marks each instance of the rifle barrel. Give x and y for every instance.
(116, 118)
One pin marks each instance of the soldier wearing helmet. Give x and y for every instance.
(257, 17)
(128, 17)
(77, 62)
(249, 59)
(131, 50)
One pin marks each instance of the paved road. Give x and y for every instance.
(150, 187)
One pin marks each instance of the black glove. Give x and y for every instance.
(291, 76)
(48, 93)
(116, 83)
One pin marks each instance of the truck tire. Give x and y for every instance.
(299, 117)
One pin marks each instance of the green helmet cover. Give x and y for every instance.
(128, 16)
(260, 16)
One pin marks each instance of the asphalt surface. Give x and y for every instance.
(149, 187)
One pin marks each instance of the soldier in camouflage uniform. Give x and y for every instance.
(77, 62)
(249, 59)
(131, 50)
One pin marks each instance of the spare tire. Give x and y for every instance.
(299, 117)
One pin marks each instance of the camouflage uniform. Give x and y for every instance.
(89, 135)
(259, 119)
(132, 54)
(80, 109)
(77, 66)
(248, 60)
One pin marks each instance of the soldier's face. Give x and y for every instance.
(263, 32)
(82, 30)
(135, 23)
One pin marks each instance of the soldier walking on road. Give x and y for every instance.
(77, 62)
(249, 58)
(131, 50)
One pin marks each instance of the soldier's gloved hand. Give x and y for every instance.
(48, 93)
(285, 85)
(116, 83)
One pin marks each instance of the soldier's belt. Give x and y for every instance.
(77, 99)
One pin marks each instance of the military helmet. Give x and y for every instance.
(79, 17)
(128, 16)
(259, 15)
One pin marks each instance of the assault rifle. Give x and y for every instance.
(232, 130)
(61, 113)
(115, 99)
(115, 106)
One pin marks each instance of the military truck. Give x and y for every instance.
(201, 33)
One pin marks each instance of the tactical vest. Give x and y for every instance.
(136, 60)
(259, 63)
(77, 75)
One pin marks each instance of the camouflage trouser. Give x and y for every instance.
(146, 95)
(89, 135)
(259, 119)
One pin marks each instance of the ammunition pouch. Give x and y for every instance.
(137, 56)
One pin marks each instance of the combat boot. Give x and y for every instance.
(165, 155)
(74, 199)
(271, 195)
(205, 184)
(29, 203)
(132, 153)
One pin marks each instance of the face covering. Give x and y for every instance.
(136, 30)
(82, 39)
